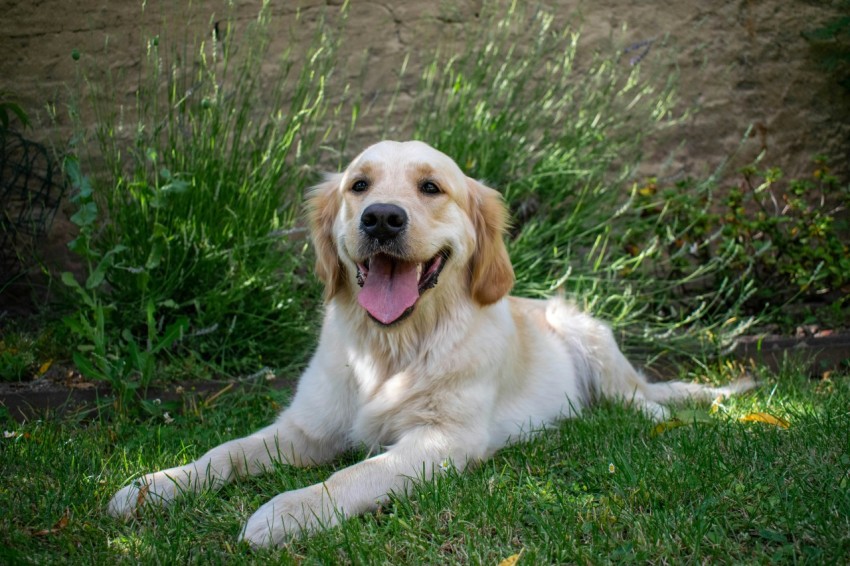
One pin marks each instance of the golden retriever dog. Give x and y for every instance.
(423, 357)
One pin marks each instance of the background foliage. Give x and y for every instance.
(189, 205)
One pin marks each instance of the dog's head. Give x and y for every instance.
(402, 220)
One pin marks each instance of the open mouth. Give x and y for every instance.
(391, 286)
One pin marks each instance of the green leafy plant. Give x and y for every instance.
(122, 362)
(793, 229)
(788, 233)
(127, 366)
(188, 220)
(9, 107)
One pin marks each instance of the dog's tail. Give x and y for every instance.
(673, 391)
(606, 372)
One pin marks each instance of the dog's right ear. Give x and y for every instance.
(323, 203)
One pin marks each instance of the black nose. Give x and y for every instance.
(383, 221)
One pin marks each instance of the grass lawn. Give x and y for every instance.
(188, 231)
(606, 488)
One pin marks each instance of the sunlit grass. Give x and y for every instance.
(606, 487)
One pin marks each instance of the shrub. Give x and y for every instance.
(788, 233)
(188, 224)
(563, 144)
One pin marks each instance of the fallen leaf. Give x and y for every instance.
(42, 369)
(511, 560)
(60, 524)
(682, 418)
(143, 492)
(666, 425)
(765, 418)
(647, 190)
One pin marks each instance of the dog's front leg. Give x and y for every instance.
(306, 433)
(362, 487)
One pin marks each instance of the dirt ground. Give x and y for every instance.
(63, 391)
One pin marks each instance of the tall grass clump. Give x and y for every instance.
(560, 133)
(187, 202)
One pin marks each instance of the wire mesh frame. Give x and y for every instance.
(31, 190)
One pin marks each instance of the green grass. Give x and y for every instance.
(715, 491)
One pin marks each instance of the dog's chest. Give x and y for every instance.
(387, 407)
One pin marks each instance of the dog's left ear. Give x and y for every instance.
(491, 272)
(323, 202)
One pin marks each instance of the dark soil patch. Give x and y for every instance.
(818, 352)
(63, 391)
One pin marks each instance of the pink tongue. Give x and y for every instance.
(391, 287)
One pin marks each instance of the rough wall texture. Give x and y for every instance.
(741, 63)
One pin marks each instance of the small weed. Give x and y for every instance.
(15, 364)
(787, 233)
(27, 352)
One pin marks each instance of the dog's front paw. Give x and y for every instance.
(288, 515)
(144, 491)
(123, 504)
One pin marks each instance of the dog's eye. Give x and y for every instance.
(359, 186)
(430, 188)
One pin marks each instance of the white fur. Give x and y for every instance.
(454, 382)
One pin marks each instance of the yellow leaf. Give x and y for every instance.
(765, 418)
(42, 369)
(666, 425)
(511, 560)
(648, 189)
(715, 405)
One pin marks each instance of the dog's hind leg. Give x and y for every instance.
(609, 374)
